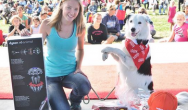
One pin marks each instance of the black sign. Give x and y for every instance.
(27, 73)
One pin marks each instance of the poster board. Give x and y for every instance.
(27, 72)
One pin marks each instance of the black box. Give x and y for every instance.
(27, 72)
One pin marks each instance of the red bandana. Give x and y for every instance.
(137, 52)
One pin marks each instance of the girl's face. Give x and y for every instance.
(70, 9)
(112, 11)
(16, 22)
(186, 10)
(19, 10)
(98, 19)
(44, 16)
(180, 20)
(173, 3)
(36, 23)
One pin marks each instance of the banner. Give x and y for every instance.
(27, 72)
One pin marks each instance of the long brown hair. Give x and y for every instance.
(55, 20)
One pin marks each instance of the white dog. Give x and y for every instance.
(134, 58)
(182, 101)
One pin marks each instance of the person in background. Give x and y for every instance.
(16, 27)
(6, 12)
(112, 23)
(103, 8)
(1, 8)
(146, 2)
(29, 8)
(10, 3)
(41, 2)
(152, 5)
(186, 12)
(97, 32)
(85, 5)
(180, 30)
(51, 5)
(171, 13)
(22, 3)
(65, 32)
(163, 5)
(37, 9)
(43, 15)
(23, 17)
(142, 10)
(92, 9)
(120, 6)
(36, 25)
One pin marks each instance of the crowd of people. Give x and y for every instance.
(104, 28)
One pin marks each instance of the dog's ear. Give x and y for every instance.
(127, 17)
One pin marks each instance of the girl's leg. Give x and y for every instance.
(110, 40)
(56, 95)
(80, 86)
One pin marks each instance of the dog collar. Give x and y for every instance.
(138, 52)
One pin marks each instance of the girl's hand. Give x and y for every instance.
(79, 71)
(25, 32)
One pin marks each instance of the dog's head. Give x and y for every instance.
(137, 26)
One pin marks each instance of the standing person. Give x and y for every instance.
(22, 16)
(171, 13)
(97, 32)
(120, 6)
(146, 2)
(65, 31)
(112, 23)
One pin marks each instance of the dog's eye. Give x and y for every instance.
(131, 21)
(139, 23)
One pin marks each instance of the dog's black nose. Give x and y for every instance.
(133, 29)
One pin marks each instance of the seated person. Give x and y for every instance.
(91, 9)
(6, 13)
(16, 27)
(97, 32)
(34, 29)
(43, 15)
(112, 23)
(29, 8)
(37, 10)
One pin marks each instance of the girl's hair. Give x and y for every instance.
(15, 16)
(55, 20)
(179, 14)
(19, 7)
(36, 18)
(171, 2)
(142, 10)
(117, 2)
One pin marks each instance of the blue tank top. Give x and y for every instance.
(60, 59)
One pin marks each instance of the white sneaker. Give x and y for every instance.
(163, 13)
(153, 13)
(159, 13)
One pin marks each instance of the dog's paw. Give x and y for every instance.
(104, 56)
(106, 50)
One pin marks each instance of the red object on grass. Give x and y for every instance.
(1, 37)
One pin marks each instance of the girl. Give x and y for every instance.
(65, 31)
(36, 25)
(171, 13)
(97, 32)
(120, 6)
(22, 16)
(16, 27)
(180, 29)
